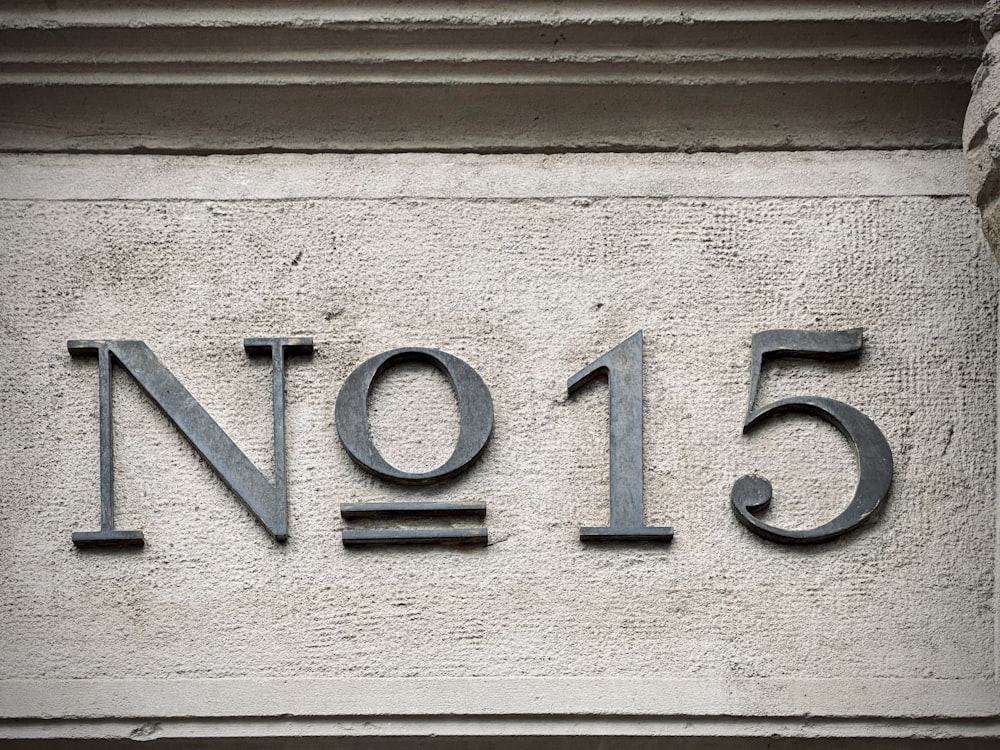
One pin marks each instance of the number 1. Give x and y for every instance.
(623, 368)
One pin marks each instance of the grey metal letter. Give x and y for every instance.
(623, 367)
(475, 406)
(266, 500)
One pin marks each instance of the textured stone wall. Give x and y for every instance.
(527, 278)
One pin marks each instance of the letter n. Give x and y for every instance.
(266, 500)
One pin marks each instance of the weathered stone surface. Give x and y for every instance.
(527, 291)
(527, 267)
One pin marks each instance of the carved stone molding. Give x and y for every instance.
(981, 135)
(202, 76)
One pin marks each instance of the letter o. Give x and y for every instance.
(475, 406)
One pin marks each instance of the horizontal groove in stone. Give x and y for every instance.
(659, 36)
(480, 118)
(23, 13)
(500, 73)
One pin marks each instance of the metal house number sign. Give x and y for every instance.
(622, 366)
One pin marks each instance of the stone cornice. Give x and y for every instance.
(771, 44)
(315, 13)
(699, 68)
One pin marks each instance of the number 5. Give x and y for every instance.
(753, 494)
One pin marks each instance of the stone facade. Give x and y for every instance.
(826, 190)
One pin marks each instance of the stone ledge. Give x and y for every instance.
(619, 705)
(492, 733)
(778, 174)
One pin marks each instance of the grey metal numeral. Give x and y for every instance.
(623, 368)
(752, 494)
